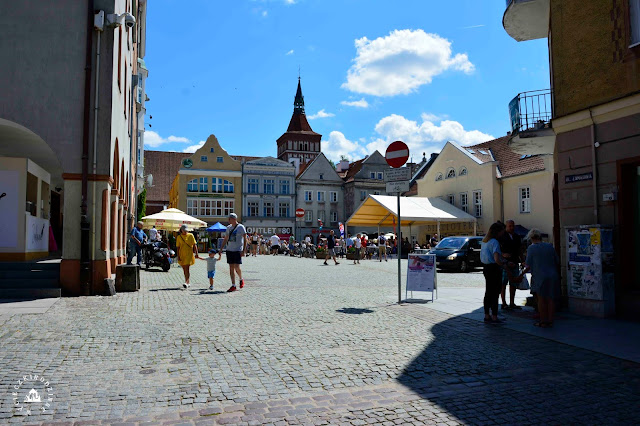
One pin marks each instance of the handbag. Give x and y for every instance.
(524, 284)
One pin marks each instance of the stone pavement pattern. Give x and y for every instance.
(301, 344)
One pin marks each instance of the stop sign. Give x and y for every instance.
(299, 212)
(397, 154)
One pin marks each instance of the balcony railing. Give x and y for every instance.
(531, 111)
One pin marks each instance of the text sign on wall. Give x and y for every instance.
(578, 178)
(396, 175)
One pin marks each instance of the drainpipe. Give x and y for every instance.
(85, 226)
(94, 165)
(501, 200)
(594, 167)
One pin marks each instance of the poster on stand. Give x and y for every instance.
(421, 273)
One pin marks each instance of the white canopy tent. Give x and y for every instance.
(172, 220)
(382, 211)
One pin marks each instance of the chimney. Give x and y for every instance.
(342, 166)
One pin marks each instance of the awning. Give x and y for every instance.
(381, 210)
(172, 220)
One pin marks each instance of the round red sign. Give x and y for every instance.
(299, 212)
(397, 154)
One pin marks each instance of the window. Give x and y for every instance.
(192, 207)
(376, 192)
(333, 196)
(525, 199)
(451, 173)
(268, 209)
(253, 208)
(192, 186)
(451, 199)
(307, 196)
(321, 196)
(634, 21)
(284, 186)
(210, 149)
(217, 208)
(477, 203)
(119, 55)
(438, 177)
(228, 207)
(483, 152)
(363, 195)
(283, 210)
(206, 207)
(228, 187)
(252, 186)
(220, 160)
(216, 185)
(334, 217)
(308, 216)
(321, 177)
(463, 171)
(269, 186)
(321, 215)
(372, 175)
(204, 158)
(380, 176)
(464, 202)
(204, 184)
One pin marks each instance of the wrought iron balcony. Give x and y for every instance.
(530, 114)
(526, 19)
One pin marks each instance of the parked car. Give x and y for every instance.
(459, 253)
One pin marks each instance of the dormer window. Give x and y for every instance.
(463, 172)
(451, 173)
(438, 177)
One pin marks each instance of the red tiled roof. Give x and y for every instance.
(299, 123)
(509, 162)
(164, 166)
(353, 169)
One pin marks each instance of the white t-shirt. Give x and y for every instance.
(153, 233)
(308, 240)
(381, 241)
(275, 240)
(358, 242)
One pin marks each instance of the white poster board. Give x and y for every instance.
(37, 235)
(421, 273)
(9, 208)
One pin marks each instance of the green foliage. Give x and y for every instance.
(142, 204)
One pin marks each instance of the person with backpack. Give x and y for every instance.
(382, 248)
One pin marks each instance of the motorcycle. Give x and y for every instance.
(157, 253)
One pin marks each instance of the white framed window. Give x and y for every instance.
(283, 209)
(228, 187)
(334, 217)
(220, 160)
(438, 177)
(285, 186)
(253, 207)
(192, 207)
(204, 184)
(192, 186)
(216, 185)
(308, 196)
(451, 173)
(217, 208)
(321, 215)
(269, 186)
(525, 199)
(463, 172)
(268, 209)
(363, 195)
(477, 203)
(464, 202)
(451, 199)
(321, 195)
(380, 176)
(206, 207)
(252, 185)
(333, 196)
(634, 22)
(308, 216)
(228, 207)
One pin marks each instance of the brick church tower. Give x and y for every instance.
(299, 144)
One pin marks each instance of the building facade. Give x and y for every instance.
(364, 177)
(591, 122)
(208, 185)
(269, 196)
(86, 146)
(320, 193)
(299, 144)
(491, 182)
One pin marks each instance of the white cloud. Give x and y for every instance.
(194, 148)
(264, 13)
(289, 52)
(362, 103)
(401, 62)
(338, 145)
(153, 139)
(320, 114)
(290, 1)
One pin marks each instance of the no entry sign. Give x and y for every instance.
(299, 212)
(397, 154)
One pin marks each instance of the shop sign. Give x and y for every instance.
(578, 178)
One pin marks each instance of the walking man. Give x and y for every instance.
(382, 247)
(136, 238)
(275, 244)
(511, 246)
(234, 238)
(358, 245)
(331, 248)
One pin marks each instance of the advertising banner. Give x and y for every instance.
(421, 273)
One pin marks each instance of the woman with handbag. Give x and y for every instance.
(187, 252)
(543, 262)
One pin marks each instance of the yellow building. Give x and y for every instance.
(491, 182)
(208, 184)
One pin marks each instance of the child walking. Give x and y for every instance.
(211, 265)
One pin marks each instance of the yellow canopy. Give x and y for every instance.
(172, 220)
(381, 210)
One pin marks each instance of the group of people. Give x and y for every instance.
(137, 239)
(505, 262)
(259, 244)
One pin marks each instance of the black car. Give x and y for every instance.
(460, 253)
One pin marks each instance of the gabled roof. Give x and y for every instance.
(510, 163)
(354, 168)
(164, 166)
(269, 161)
(304, 168)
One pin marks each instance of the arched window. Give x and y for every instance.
(192, 186)
(438, 177)
(463, 172)
(451, 173)
(228, 187)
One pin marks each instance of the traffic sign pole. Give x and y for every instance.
(399, 242)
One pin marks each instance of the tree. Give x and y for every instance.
(344, 158)
(142, 204)
(332, 164)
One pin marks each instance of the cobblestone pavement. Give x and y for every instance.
(301, 344)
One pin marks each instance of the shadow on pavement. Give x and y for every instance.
(483, 374)
(355, 311)
(166, 289)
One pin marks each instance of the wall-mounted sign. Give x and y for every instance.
(187, 163)
(578, 178)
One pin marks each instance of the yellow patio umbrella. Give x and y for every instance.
(172, 220)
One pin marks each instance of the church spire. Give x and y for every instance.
(298, 103)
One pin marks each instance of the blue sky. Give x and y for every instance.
(373, 71)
